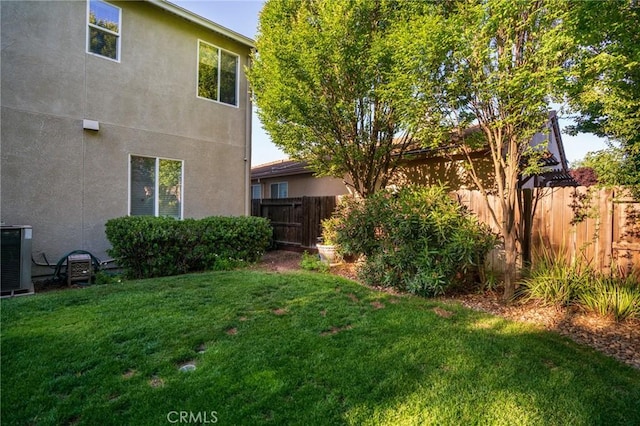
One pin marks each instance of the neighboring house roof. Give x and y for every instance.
(280, 168)
(558, 176)
(557, 161)
(204, 22)
(555, 127)
(550, 160)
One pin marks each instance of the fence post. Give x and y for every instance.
(527, 198)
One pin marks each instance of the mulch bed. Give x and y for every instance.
(618, 340)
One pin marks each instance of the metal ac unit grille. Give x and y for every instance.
(15, 260)
(10, 259)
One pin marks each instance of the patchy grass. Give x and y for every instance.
(296, 348)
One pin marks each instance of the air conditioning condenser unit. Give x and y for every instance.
(15, 260)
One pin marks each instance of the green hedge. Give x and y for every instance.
(146, 246)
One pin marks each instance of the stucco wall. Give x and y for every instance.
(67, 182)
(305, 185)
(436, 171)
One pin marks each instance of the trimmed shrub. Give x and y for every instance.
(146, 246)
(418, 239)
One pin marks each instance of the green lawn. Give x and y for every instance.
(297, 348)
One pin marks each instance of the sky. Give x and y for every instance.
(242, 17)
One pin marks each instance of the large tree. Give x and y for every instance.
(491, 64)
(607, 165)
(320, 80)
(605, 82)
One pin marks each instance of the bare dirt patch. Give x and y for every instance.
(128, 374)
(156, 382)
(618, 340)
(280, 261)
(443, 312)
(335, 330)
(377, 304)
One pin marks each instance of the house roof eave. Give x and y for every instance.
(553, 118)
(203, 22)
(280, 168)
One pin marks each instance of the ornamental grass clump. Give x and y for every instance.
(554, 280)
(417, 239)
(618, 298)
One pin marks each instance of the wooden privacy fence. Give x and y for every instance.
(296, 222)
(598, 227)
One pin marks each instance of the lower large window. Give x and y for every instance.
(155, 187)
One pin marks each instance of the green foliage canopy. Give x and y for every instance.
(492, 64)
(607, 165)
(321, 79)
(605, 81)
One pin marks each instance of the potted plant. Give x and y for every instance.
(327, 244)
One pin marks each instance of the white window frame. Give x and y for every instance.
(118, 34)
(286, 184)
(156, 189)
(237, 88)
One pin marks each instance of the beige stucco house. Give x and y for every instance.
(118, 108)
(290, 179)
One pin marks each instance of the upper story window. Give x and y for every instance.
(103, 32)
(217, 74)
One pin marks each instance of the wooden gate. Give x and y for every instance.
(296, 222)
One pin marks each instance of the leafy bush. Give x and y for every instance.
(147, 246)
(329, 233)
(104, 277)
(312, 262)
(418, 239)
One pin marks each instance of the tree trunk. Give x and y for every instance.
(510, 270)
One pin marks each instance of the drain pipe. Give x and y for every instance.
(247, 149)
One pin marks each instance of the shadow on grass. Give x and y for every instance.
(306, 349)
